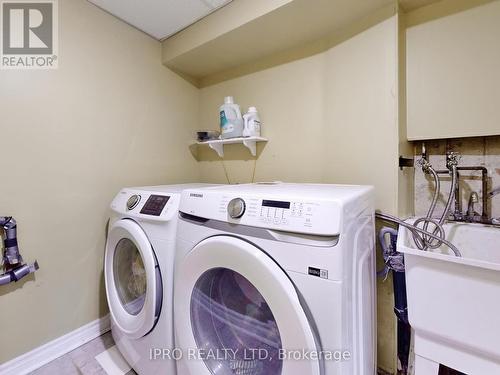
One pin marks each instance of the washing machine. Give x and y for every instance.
(276, 279)
(138, 271)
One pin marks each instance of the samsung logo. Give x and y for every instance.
(196, 195)
(318, 272)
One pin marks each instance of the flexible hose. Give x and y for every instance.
(414, 229)
(424, 242)
(422, 245)
(454, 182)
(423, 238)
(434, 174)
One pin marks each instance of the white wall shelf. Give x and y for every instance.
(218, 144)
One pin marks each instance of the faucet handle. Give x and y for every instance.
(424, 164)
(471, 213)
(474, 198)
(452, 159)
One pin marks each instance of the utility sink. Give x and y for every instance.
(454, 302)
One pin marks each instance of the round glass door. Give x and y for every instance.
(133, 279)
(239, 311)
(130, 276)
(231, 317)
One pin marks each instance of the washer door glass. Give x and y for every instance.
(133, 280)
(232, 320)
(130, 276)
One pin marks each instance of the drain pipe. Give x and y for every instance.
(15, 269)
(394, 262)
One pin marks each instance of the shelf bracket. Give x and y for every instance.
(218, 148)
(251, 145)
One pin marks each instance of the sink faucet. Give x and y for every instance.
(471, 214)
(452, 162)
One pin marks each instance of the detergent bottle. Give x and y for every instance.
(231, 121)
(252, 123)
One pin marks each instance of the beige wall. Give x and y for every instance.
(332, 117)
(109, 117)
(329, 117)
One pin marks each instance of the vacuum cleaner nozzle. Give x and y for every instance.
(15, 269)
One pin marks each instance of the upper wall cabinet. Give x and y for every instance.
(453, 75)
(250, 35)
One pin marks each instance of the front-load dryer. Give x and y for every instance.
(276, 279)
(138, 271)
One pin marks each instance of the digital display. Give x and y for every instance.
(154, 205)
(276, 204)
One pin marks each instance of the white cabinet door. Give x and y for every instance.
(453, 75)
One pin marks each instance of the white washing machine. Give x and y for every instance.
(138, 270)
(276, 279)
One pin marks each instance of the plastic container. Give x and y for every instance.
(231, 121)
(251, 123)
(207, 135)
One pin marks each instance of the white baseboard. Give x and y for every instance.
(54, 349)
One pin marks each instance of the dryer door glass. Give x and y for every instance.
(231, 318)
(130, 276)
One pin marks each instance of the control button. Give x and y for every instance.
(236, 208)
(133, 201)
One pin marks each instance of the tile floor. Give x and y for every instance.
(80, 361)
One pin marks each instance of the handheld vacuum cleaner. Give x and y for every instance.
(14, 267)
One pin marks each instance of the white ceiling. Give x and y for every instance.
(160, 18)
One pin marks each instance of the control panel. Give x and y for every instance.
(316, 209)
(288, 215)
(154, 205)
(282, 213)
(143, 204)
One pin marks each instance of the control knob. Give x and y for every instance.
(133, 201)
(236, 208)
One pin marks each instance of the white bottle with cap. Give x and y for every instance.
(251, 123)
(231, 121)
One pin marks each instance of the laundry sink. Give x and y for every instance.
(454, 302)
